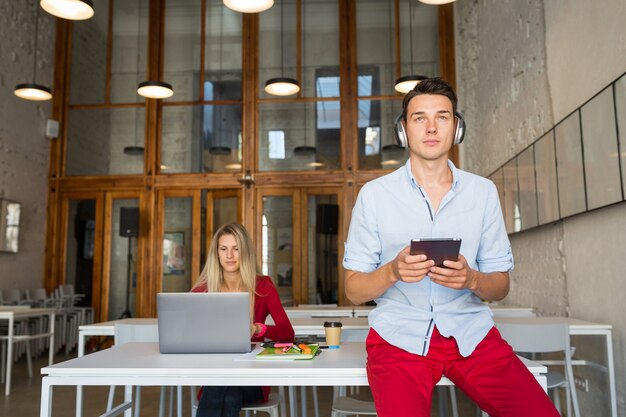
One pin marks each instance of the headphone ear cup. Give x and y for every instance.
(459, 133)
(400, 132)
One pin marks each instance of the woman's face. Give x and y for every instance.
(228, 253)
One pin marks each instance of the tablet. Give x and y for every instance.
(439, 250)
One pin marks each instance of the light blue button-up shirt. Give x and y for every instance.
(392, 210)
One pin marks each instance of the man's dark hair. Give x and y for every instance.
(430, 86)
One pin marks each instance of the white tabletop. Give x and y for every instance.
(144, 365)
(7, 312)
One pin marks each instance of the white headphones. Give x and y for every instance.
(403, 141)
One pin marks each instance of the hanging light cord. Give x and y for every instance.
(35, 42)
(282, 52)
(411, 33)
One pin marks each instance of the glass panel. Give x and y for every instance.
(602, 176)
(128, 58)
(620, 103)
(375, 47)
(527, 188)
(204, 138)
(89, 57)
(547, 191)
(377, 143)
(419, 42)
(511, 197)
(278, 47)
(177, 240)
(419, 39)
(224, 211)
(277, 244)
(323, 213)
(79, 253)
(181, 63)
(123, 262)
(569, 162)
(222, 55)
(298, 136)
(100, 141)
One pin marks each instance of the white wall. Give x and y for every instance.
(522, 66)
(23, 146)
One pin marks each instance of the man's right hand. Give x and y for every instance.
(410, 268)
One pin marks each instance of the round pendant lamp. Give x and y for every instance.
(282, 86)
(406, 83)
(249, 6)
(155, 89)
(69, 9)
(33, 91)
(436, 2)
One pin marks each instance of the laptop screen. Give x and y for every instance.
(204, 322)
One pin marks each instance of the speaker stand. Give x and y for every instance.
(126, 313)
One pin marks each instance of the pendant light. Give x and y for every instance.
(33, 91)
(304, 150)
(136, 150)
(69, 9)
(249, 6)
(154, 88)
(219, 148)
(408, 82)
(436, 2)
(282, 86)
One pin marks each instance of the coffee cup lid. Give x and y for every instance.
(333, 324)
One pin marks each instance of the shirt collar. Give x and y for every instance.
(453, 169)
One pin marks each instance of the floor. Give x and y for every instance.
(25, 394)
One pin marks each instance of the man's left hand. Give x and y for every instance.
(457, 275)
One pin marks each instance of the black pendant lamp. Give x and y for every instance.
(33, 91)
(282, 86)
(69, 9)
(406, 83)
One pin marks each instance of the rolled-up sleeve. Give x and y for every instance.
(363, 247)
(494, 252)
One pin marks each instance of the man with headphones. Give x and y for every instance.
(430, 321)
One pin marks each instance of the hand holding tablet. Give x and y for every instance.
(437, 249)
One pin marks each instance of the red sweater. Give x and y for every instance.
(267, 302)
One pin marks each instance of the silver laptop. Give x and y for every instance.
(204, 322)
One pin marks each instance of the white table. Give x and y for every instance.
(321, 311)
(142, 364)
(580, 328)
(11, 314)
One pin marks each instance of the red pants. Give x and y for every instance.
(492, 376)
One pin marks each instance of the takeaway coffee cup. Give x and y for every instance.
(333, 333)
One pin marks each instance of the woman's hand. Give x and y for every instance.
(254, 329)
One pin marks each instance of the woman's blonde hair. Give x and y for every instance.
(212, 274)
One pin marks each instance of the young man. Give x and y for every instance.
(429, 321)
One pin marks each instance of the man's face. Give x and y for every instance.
(430, 126)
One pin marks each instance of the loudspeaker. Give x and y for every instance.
(403, 141)
(327, 219)
(129, 221)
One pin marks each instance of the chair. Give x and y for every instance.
(545, 338)
(270, 407)
(128, 333)
(343, 406)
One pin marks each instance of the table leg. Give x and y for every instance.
(128, 397)
(45, 408)
(612, 389)
(7, 381)
(79, 388)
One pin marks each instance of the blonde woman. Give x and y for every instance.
(231, 267)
